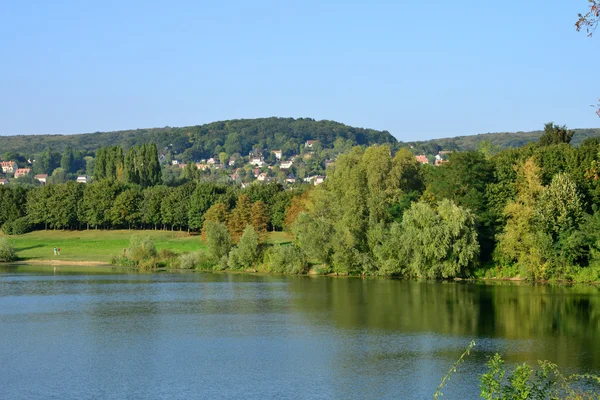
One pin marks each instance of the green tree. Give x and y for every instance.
(59, 175)
(259, 218)
(67, 160)
(520, 241)
(98, 198)
(438, 242)
(240, 217)
(554, 134)
(125, 210)
(246, 253)
(218, 241)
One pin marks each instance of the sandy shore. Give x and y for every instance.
(64, 262)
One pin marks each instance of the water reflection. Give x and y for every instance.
(280, 337)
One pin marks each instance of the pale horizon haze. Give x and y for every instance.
(419, 70)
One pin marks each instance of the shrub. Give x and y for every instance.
(123, 262)
(286, 259)
(7, 252)
(197, 259)
(142, 249)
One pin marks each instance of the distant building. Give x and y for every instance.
(3, 181)
(319, 179)
(310, 143)
(83, 179)
(277, 153)
(257, 161)
(175, 162)
(422, 159)
(290, 178)
(42, 178)
(22, 172)
(262, 177)
(8, 167)
(315, 180)
(286, 164)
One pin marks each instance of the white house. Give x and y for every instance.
(8, 167)
(277, 153)
(83, 179)
(42, 178)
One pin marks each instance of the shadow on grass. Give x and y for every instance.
(29, 248)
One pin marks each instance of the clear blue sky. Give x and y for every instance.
(419, 69)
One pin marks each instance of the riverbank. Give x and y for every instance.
(99, 246)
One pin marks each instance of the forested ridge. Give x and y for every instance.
(193, 143)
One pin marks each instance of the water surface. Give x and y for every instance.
(98, 333)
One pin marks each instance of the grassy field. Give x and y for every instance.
(100, 245)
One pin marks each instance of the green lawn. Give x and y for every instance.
(95, 245)
(101, 245)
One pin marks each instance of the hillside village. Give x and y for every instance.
(260, 165)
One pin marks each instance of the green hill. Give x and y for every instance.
(203, 141)
(242, 135)
(500, 141)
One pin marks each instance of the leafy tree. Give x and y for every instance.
(218, 241)
(438, 242)
(216, 213)
(240, 217)
(62, 206)
(59, 175)
(554, 134)
(286, 259)
(151, 205)
(67, 160)
(259, 218)
(126, 208)
(98, 198)
(245, 254)
(520, 242)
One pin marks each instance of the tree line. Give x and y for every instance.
(112, 204)
(529, 212)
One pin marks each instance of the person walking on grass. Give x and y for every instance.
(55, 251)
(59, 251)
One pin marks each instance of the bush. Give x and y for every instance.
(7, 252)
(286, 259)
(123, 262)
(197, 259)
(18, 226)
(141, 253)
(142, 249)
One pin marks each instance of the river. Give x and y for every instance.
(76, 333)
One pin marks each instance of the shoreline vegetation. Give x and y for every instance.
(530, 213)
(102, 248)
